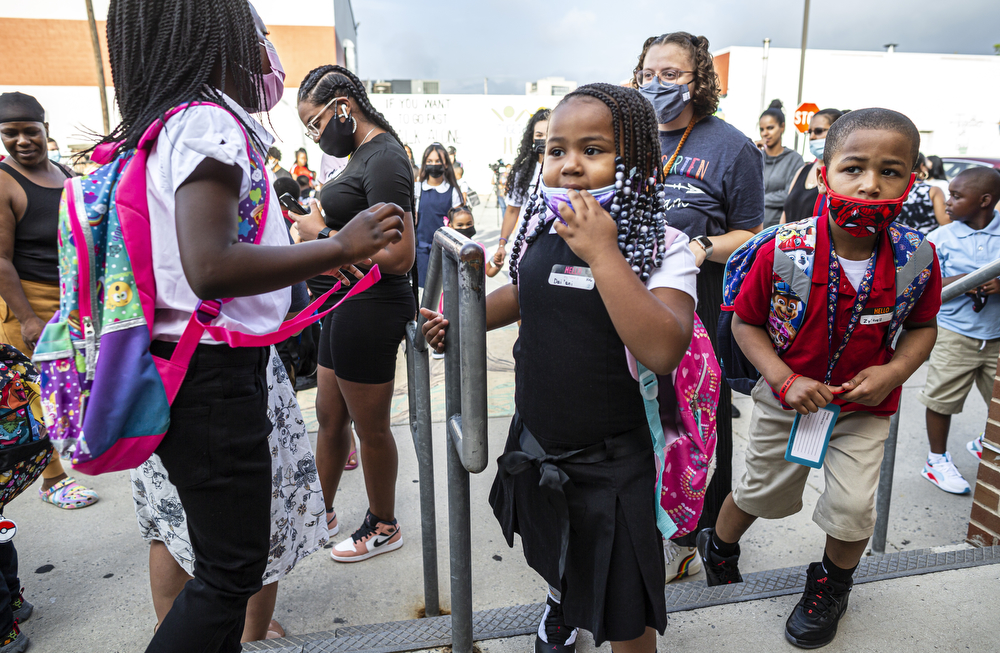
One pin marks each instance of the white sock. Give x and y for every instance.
(935, 458)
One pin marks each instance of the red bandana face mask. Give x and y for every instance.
(860, 217)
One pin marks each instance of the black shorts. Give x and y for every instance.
(359, 340)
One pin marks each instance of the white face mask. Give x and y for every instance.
(55, 156)
(816, 147)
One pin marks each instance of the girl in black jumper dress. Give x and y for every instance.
(594, 270)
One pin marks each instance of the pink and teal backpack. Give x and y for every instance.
(106, 397)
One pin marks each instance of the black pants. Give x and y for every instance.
(10, 587)
(216, 454)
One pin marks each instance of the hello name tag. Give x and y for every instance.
(871, 316)
(570, 276)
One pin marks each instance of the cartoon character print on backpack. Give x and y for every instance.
(253, 206)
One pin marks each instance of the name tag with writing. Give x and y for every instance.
(877, 315)
(569, 276)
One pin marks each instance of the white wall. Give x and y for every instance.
(953, 99)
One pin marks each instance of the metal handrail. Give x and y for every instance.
(458, 266)
(970, 281)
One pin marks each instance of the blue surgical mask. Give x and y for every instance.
(669, 100)
(55, 156)
(553, 196)
(816, 147)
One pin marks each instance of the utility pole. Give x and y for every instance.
(802, 61)
(100, 65)
(763, 81)
(486, 87)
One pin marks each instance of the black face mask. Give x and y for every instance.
(538, 146)
(337, 138)
(468, 232)
(436, 170)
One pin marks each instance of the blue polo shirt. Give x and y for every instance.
(961, 250)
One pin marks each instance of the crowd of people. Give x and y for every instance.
(635, 220)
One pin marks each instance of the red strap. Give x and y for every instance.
(786, 386)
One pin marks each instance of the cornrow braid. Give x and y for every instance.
(164, 53)
(326, 82)
(638, 204)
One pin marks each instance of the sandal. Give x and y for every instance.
(68, 495)
(274, 630)
(331, 522)
(352, 461)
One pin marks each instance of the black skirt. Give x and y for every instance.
(614, 570)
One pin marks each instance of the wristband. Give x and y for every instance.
(786, 386)
(503, 240)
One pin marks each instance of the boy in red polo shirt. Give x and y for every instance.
(837, 351)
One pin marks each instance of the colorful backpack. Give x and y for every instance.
(794, 254)
(106, 397)
(24, 444)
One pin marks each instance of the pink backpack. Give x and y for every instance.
(106, 398)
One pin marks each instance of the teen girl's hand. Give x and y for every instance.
(341, 273)
(370, 231)
(434, 329)
(870, 386)
(809, 395)
(589, 230)
(311, 224)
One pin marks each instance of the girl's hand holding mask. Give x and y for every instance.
(587, 228)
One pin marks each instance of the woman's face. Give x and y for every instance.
(818, 127)
(770, 131)
(670, 56)
(580, 148)
(316, 116)
(541, 130)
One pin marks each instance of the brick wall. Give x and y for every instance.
(984, 522)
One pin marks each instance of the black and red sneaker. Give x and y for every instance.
(554, 636)
(718, 570)
(813, 622)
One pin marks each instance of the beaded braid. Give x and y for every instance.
(638, 205)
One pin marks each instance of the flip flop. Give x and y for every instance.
(352, 461)
(68, 495)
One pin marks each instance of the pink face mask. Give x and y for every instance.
(274, 81)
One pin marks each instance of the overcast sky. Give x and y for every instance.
(513, 41)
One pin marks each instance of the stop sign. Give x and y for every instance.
(803, 115)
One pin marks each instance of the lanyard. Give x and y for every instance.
(833, 289)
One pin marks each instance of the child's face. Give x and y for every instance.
(580, 150)
(963, 201)
(872, 164)
(462, 220)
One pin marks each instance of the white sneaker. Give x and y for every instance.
(946, 476)
(681, 561)
(975, 447)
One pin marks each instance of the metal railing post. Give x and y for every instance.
(971, 281)
(884, 496)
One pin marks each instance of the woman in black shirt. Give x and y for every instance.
(359, 341)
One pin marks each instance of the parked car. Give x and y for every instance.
(956, 164)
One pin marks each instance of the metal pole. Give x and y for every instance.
(971, 281)
(100, 65)
(763, 81)
(802, 62)
(472, 317)
(418, 380)
(884, 496)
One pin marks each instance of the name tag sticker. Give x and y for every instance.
(569, 276)
(877, 315)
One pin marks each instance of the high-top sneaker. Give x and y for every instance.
(813, 622)
(372, 539)
(554, 636)
(14, 642)
(680, 561)
(21, 608)
(718, 570)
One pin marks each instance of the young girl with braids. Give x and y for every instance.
(358, 342)
(713, 181)
(164, 55)
(591, 275)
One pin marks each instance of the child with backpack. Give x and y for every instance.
(818, 306)
(593, 279)
(181, 217)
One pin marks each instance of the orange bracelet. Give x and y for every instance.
(786, 386)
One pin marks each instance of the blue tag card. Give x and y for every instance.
(810, 436)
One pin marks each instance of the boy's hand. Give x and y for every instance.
(870, 386)
(434, 329)
(589, 230)
(809, 395)
(991, 287)
(370, 231)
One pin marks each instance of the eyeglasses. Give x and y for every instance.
(312, 130)
(818, 131)
(645, 77)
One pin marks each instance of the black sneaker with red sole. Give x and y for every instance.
(718, 570)
(813, 622)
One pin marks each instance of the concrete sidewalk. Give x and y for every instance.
(87, 573)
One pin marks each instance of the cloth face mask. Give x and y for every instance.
(860, 217)
(468, 232)
(817, 146)
(435, 170)
(668, 101)
(337, 138)
(553, 196)
(538, 146)
(274, 81)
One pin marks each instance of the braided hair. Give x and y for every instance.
(638, 204)
(521, 171)
(164, 53)
(327, 82)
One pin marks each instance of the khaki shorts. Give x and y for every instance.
(772, 487)
(44, 301)
(957, 362)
